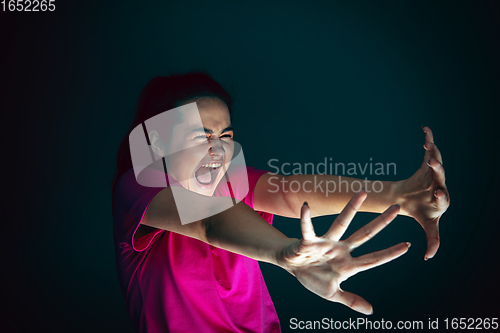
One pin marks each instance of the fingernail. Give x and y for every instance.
(425, 258)
(425, 148)
(409, 244)
(435, 193)
(371, 312)
(306, 204)
(423, 129)
(399, 206)
(429, 162)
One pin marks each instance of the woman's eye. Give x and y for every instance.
(205, 137)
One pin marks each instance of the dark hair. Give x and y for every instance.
(163, 93)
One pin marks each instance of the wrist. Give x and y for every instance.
(286, 251)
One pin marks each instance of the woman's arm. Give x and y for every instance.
(238, 229)
(319, 263)
(423, 196)
(328, 194)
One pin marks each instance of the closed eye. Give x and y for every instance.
(206, 137)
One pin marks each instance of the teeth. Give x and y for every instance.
(212, 165)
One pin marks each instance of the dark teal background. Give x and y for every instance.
(310, 79)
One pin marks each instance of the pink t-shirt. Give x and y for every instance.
(174, 283)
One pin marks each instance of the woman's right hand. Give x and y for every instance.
(322, 263)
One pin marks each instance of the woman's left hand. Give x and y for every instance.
(424, 195)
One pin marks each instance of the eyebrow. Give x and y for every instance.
(209, 131)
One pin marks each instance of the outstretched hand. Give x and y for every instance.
(322, 263)
(425, 196)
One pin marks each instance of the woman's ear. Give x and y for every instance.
(156, 144)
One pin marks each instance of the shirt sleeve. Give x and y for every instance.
(130, 203)
(253, 176)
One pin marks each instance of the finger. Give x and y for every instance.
(438, 172)
(378, 258)
(306, 223)
(429, 137)
(353, 301)
(341, 223)
(432, 234)
(427, 156)
(442, 198)
(372, 228)
(434, 151)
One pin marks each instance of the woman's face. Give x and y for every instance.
(202, 153)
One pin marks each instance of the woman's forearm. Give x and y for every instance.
(329, 194)
(237, 229)
(241, 230)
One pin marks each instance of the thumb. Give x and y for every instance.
(432, 234)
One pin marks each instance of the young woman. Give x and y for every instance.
(185, 266)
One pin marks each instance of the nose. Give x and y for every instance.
(216, 149)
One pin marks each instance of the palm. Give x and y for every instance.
(319, 263)
(322, 263)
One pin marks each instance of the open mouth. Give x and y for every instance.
(207, 173)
